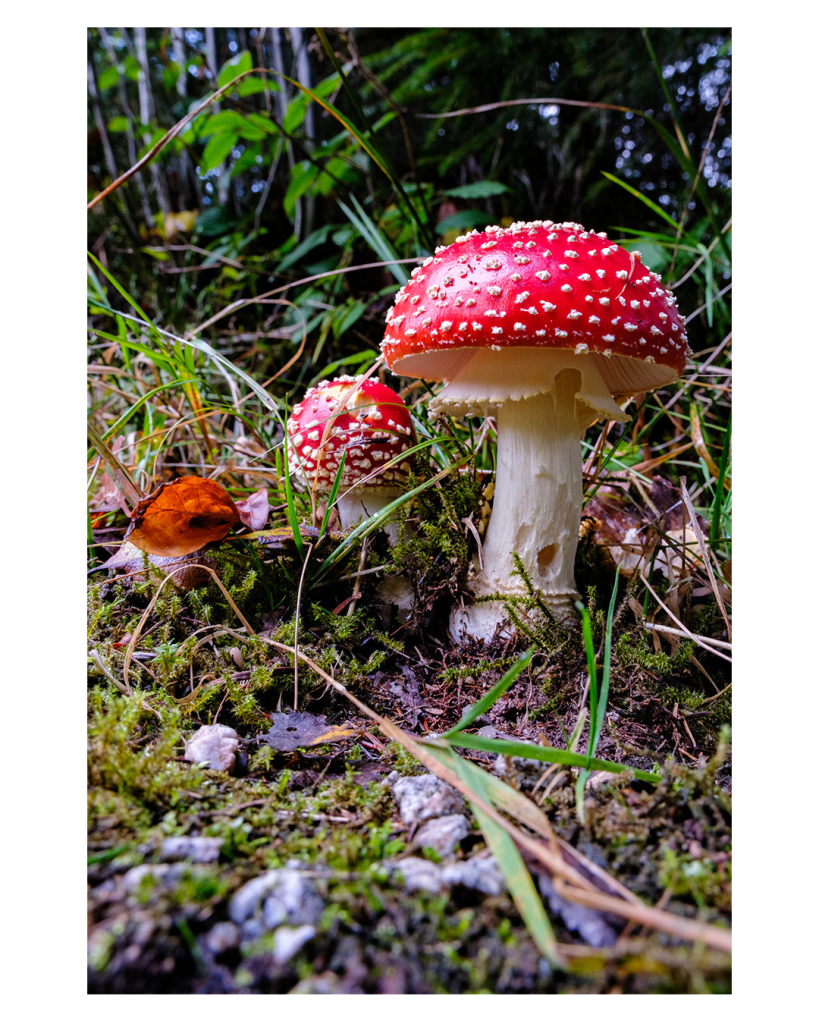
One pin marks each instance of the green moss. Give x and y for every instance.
(632, 648)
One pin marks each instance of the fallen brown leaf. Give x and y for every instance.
(182, 517)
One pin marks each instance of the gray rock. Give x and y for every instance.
(166, 876)
(222, 937)
(480, 872)
(294, 900)
(421, 797)
(417, 873)
(288, 941)
(443, 834)
(324, 984)
(280, 896)
(247, 901)
(525, 771)
(200, 849)
(589, 924)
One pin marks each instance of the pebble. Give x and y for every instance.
(214, 744)
(522, 770)
(589, 924)
(167, 876)
(418, 873)
(199, 849)
(480, 873)
(222, 937)
(288, 941)
(442, 834)
(421, 797)
(280, 896)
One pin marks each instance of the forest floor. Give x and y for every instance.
(330, 860)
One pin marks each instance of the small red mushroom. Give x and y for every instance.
(544, 326)
(371, 425)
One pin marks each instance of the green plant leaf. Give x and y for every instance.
(477, 190)
(237, 65)
(218, 147)
(224, 121)
(301, 178)
(296, 112)
(108, 78)
(251, 86)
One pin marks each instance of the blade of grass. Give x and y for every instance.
(716, 508)
(649, 203)
(115, 467)
(383, 160)
(692, 515)
(515, 873)
(136, 406)
(588, 642)
(331, 500)
(225, 366)
(375, 521)
(605, 681)
(291, 508)
(553, 755)
(370, 233)
(526, 811)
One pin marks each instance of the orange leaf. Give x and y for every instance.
(182, 517)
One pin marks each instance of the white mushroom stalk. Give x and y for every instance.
(538, 481)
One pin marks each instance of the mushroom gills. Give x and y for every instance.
(482, 383)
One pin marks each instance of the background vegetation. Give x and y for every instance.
(257, 252)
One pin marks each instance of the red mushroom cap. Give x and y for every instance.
(359, 416)
(534, 285)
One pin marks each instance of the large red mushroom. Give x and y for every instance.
(371, 425)
(546, 327)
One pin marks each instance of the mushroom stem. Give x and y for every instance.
(359, 503)
(537, 505)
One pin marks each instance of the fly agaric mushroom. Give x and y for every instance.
(544, 326)
(367, 421)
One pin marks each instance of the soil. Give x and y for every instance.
(329, 809)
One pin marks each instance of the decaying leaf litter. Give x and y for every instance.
(384, 810)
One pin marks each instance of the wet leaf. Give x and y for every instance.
(186, 571)
(282, 538)
(254, 510)
(303, 730)
(182, 517)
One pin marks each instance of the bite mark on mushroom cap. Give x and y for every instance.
(367, 422)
